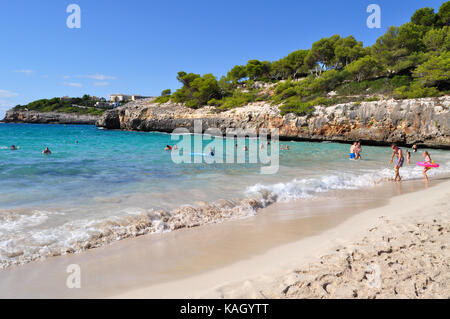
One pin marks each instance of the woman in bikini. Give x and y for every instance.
(427, 159)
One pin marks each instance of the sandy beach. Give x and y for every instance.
(399, 250)
(167, 157)
(402, 252)
(389, 241)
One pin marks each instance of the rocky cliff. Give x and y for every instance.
(424, 121)
(48, 118)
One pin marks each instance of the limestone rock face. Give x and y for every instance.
(423, 121)
(48, 118)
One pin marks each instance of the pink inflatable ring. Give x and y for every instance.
(424, 164)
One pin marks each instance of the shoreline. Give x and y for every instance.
(272, 274)
(195, 257)
(183, 214)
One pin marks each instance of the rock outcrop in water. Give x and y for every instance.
(49, 118)
(424, 121)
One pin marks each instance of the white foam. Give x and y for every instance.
(27, 237)
(309, 187)
(15, 222)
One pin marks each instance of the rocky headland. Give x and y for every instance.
(424, 121)
(35, 117)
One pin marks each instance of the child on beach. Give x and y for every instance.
(427, 159)
(397, 151)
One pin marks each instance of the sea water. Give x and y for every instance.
(98, 186)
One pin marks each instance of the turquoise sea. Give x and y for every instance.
(98, 185)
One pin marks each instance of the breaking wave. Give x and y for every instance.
(21, 241)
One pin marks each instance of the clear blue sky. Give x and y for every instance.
(138, 46)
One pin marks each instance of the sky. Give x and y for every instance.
(138, 46)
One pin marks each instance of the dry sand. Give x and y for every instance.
(400, 250)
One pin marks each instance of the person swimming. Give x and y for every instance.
(46, 151)
(397, 151)
(427, 159)
(414, 148)
(168, 148)
(13, 148)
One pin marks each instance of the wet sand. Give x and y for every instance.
(400, 251)
(198, 262)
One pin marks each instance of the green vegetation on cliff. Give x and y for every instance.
(83, 105)
(409, 61)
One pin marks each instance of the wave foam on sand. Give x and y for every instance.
(21, 243)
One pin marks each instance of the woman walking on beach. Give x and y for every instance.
(397, 151)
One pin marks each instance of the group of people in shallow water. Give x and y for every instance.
(355, 151)
(46, 151)
(400, 159)
(211, 152)
(397, 152)
(170, 148)
(355, 154)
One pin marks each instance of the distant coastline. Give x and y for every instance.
(35, 117)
